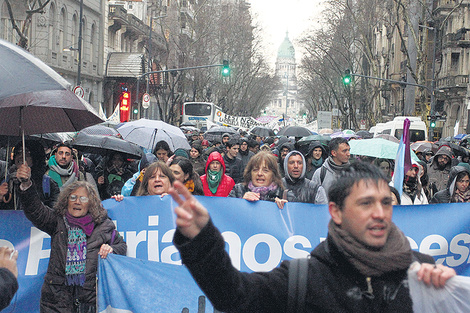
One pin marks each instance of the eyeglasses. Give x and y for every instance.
(74, 198)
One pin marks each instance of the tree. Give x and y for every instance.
(30, 7)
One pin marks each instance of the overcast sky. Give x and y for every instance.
(278, 16)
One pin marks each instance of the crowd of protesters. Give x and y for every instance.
(63, 189)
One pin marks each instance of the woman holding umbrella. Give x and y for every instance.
(81, 232)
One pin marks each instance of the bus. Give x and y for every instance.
(199, 113)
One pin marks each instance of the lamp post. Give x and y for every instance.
(433, 78)
(80, 24)
(286, 75)
(149, 64)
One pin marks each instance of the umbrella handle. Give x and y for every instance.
(7, 200)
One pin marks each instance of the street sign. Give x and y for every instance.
(79, 92)
(324, 119)
(146, 101)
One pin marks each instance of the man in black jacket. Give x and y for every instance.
(8, 276)
(233, 164)
(360, 267)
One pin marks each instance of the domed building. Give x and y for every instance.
(285, 100)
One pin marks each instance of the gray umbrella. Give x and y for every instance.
(294, 131)
(36, 99)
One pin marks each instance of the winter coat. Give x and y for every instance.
(310, 167)
(445, 196)
(302, 189)
(55, 294)
(240, 189)
(333, 283)
(8, 287)
(234, 168)
(438, 178)
(245, 157)
(47, 188)
(113, 182)
(406, 199)
(226, 183)
(331, 173)
(198, 165)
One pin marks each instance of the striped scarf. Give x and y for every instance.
(75, 264)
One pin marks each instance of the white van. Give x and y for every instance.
(418, 129)
(377, 129)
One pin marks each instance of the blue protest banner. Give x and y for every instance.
(258, 236)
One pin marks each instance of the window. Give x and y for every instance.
(454, 61)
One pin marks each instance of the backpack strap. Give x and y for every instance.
(46, 186)
(297, 285)
(322, 174)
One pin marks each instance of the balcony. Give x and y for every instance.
(461, 38)
(457, 81)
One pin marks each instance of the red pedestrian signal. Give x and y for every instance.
(124, 106)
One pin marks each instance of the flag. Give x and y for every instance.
(115, 117)
(130, 285)
(403, 159)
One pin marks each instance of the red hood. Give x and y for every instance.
(215, 156)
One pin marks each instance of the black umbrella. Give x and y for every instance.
(218, 131)
(262, 131)
(104, 145)
(294, 131)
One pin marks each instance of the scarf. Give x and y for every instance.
(116, 170)
(75, 263)
(410, 187)
(56, 172)
(263, 190)
(213, 180)
(190, 185)
(317, 163)
(335, 167)
(395, 255)
(461, 196)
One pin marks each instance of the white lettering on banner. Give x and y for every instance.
(429, 241)
(239, 121)
(36, 253)
(153, 247)
(274, 256)
(292, 252)
(235, 248)
(133, 239)
(461, 250)
(170, 250)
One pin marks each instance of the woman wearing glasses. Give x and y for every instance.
(80, 231)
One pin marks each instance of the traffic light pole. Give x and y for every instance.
(167, 71)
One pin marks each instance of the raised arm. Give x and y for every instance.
(191, 216)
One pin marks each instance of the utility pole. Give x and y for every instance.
(80, 26)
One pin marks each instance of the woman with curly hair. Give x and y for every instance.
(80, 231)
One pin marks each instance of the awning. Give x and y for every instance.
(125, 64)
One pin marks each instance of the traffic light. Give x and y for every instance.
(347, 77)
(135, 110)
(432, 123)
(124, 106)
(225, 68)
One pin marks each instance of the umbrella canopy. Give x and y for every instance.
(37, 99)
(262, 131)
(307, 140)
(460, 136)
(146, 133)
(364, 134)
(189, 129)
(456, 149)
(325, 131)
(191, 124)
(103, 145)
(100, 130)
(420, 146)
(378, 148)
(388, 137)
(294, 131)
(344, 134)
(218, 131)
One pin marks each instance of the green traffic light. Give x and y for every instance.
(347, 77)
(225, 68)
(136, 111)
(432, 124)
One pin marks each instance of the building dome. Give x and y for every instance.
(286, 50)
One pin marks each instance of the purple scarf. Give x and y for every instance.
(263, 190)
(75, 263)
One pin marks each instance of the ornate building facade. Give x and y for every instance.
(285, 101)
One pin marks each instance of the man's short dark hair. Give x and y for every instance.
(252, 143)
(232, 142)
(335, 142)
(64, 144)
(350, 176)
